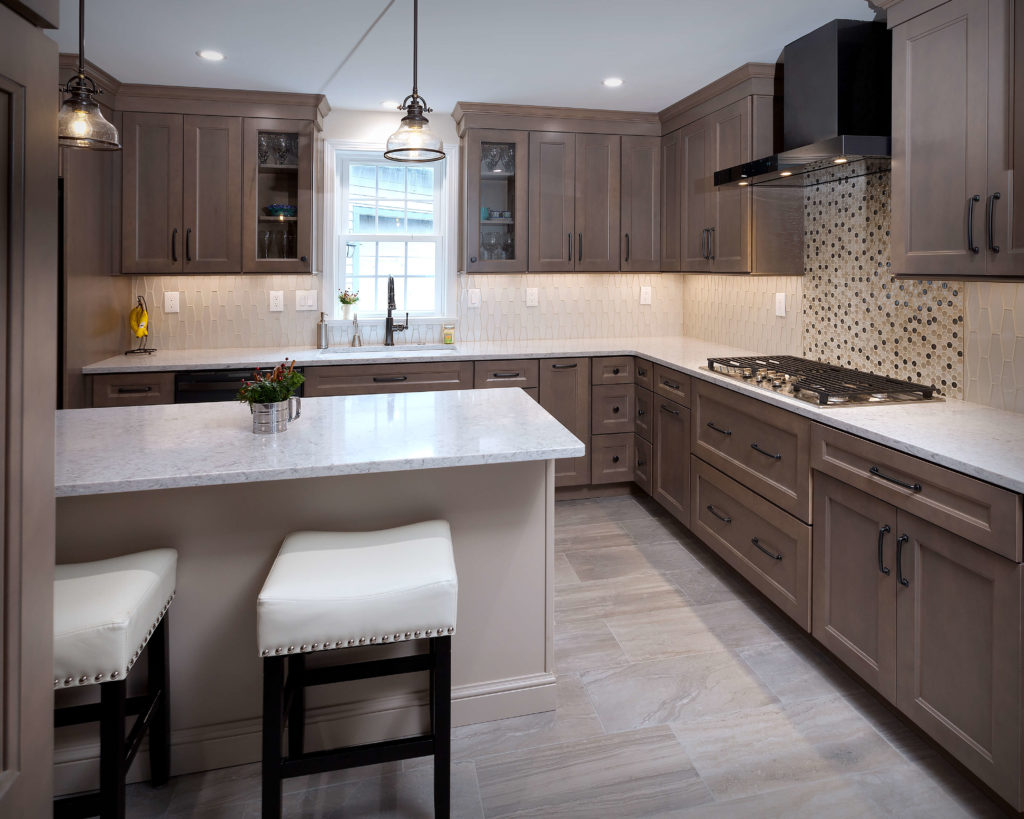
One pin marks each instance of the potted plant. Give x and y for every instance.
(347, 298)
(271, 398)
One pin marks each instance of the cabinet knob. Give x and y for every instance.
(615, 371)
(473, 259)
(615, 459)
(303, 259)
(641, 413)
(615, 409)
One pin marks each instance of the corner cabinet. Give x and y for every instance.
(957, 94)
(495, 175)
(640, 210)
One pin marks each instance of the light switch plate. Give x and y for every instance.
(171, 301)
(473, 294)
(645, 294)
(532, 296)
(780, 304)
(276, 301)
(305, 299)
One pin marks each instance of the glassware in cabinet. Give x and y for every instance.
(496, 201)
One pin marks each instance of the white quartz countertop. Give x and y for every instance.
(126, 449)
(980, 441)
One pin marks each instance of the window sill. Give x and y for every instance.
(399, 317)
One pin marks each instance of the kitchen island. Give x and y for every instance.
(193, 477)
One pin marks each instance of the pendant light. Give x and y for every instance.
(80, 123)
(414, 141)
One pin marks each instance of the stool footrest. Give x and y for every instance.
(373, 753)
(366, 670)
(77, 805)
(90, 712)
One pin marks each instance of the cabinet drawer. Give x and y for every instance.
(644, 373)
(612, 408)
(611, 458)
(358, 379)
(769, 547)
(763, 447)
(978, 511)
(613, 370)
(672, 385)
(521, 372)
(132, 389)
(644, 425)
(643, 460)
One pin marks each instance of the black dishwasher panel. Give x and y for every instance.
(201, 386)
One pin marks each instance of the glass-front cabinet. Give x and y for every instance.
(278, 194)
(496, 177)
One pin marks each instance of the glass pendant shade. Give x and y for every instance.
(414, 141)
(81, 124)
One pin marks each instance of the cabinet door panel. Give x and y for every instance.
(939, 144)
(643, 455)
(960, 650)
(671, 200)
(565, 393)
(641, 203)
(695, 184)
(612, 458)
(212, 194)
(729, 208)
(854, 600)
(598, 181)
(495, 178)
(151, 228)
(671, 476)
(552, 201)
(613, 408)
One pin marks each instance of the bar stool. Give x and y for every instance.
(335, 590)
(104, 614)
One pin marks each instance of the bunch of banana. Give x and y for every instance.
(138, 319)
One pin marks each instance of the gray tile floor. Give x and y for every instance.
(681, 692)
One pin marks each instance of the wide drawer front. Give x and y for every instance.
(768, 547)
(644, 413)
(132, 389)
(521, 372)
(674, 386)
(764, 448)
(617, 369)
(612, 408)
(978, 511)
(644, 373)
(357, 379)
(611, 458)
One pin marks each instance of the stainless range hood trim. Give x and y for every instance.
(789, 168)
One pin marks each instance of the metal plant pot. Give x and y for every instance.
(270, 418)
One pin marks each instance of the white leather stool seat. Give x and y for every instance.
(337, 589)
(104, 613)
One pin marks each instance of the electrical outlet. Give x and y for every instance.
(532, 296)
(276, 301)
(171, 301)
(305, 299)
(473, 295)
(645, 294)
(780, 304)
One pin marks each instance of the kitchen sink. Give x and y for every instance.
(398, 349)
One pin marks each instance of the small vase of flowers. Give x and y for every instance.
(271, 398)
(347, 298)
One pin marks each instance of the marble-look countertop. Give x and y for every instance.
(126, 449)
(979, 441)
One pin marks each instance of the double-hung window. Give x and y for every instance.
(390, 219)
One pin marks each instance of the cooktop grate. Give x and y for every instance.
(831, 384)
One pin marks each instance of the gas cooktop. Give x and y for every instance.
(824, 385)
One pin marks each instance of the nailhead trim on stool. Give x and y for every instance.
(329, 645)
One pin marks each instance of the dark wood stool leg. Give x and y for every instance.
(113, 707)
(441, 723)
(160, 726)
(273, 717)
(297, 709)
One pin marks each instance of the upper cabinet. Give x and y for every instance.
(958, 92)
(495, 168)
(641, 203)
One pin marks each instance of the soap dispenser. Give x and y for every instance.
(323, 332)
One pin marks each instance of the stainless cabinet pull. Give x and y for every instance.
(672, 385)
(970, 223)
(389, 379)
(570, 246)
(174, 245)
(564, 366)
(504, 375)
(902, 539)
(188, 244)
(669, 409)
(711, 244)
(913, 487)
(130, 390)
(711, 424)
(719, 515)
(881, 537)
(991, 222)
(579, 250)
(627, 247)
(770, 554)
(776, 456)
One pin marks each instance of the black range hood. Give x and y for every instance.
(836, 107)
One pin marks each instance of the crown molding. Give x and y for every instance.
(550, 118)
(747, 80)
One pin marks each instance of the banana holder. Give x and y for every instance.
(138, 323)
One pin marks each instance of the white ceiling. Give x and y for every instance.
(544, 52)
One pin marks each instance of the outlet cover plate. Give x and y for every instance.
(645, 294)
(532, 296)
(305, 299)
(780, 304)
(171, 301)
(276, 301)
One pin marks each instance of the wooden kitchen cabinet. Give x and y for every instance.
(643, 455)
(565, 393)
(670, 480)
(671, 200)
(513, 372)
(695, 189)
(360, 379)
(130, 389)
(640, 206)
(181, 194)
(612, 458)
(613, 408)
(957, 92)
(574, 183)
(495, 176)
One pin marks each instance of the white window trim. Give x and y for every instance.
(334, 269)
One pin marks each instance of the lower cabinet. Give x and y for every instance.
(359, 379)
(130, 389)
(643, 460)
(930, 619)
(612, 458)
(670, 477)
(564, 391)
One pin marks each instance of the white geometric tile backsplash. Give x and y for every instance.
(995, 345)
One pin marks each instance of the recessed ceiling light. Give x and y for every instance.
(786, 173)
(392, 104)
(210, 54)
(613, 82)
(744, 184)
(839, 160)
